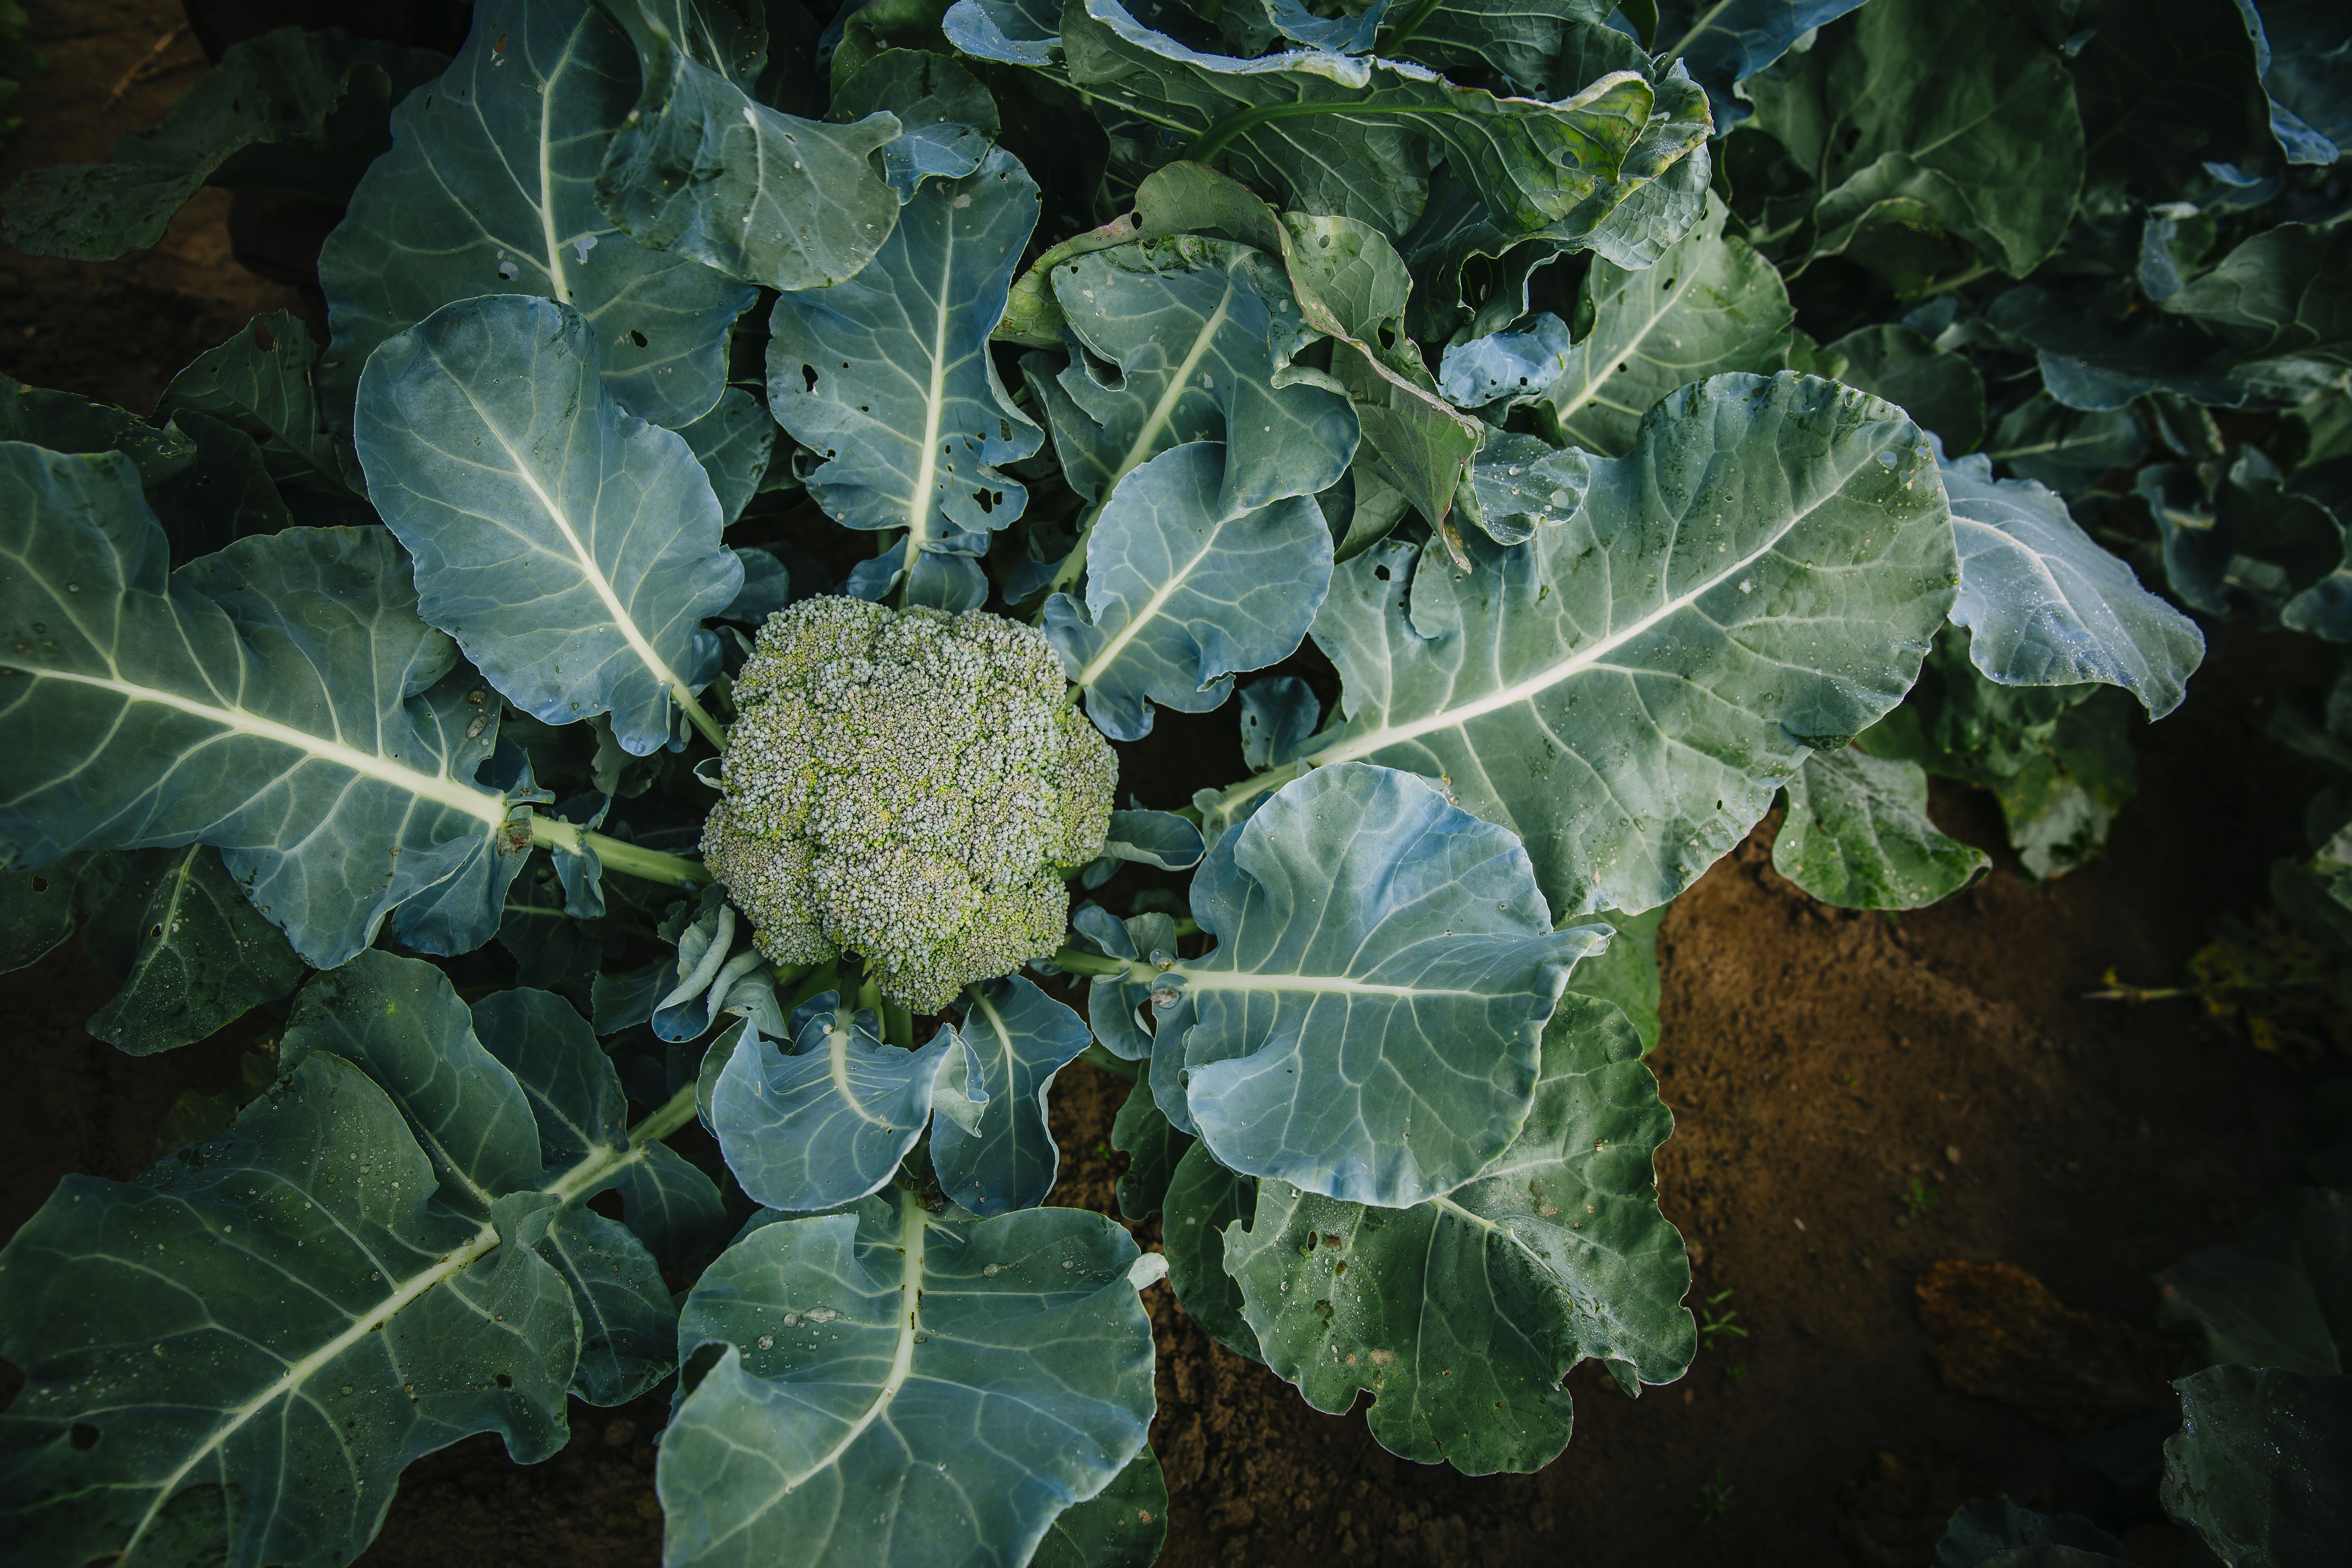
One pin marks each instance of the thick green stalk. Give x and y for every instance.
(619, 855)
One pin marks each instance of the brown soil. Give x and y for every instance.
(1819, 1062)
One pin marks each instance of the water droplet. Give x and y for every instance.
(1747, 585)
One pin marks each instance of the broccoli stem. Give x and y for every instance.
(619, 855)
(699, 717)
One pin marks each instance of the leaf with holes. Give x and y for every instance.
(1462, 1315)
(489, 189)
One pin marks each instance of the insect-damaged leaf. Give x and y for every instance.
(489, 189)
(1462, 1315)
(323, 92)
(1857, 835)
(888, 378)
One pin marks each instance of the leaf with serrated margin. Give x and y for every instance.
(1857, 835)
(1181, 594)
(1187, 332)
(900, 1387)
(1339, 134)
(699, 169)
(338, 780)
(327, 1319)
(888, 378)
(324, 91)
(1368, 1021)
(1710, 305)
(1462, 1315)
(496, 162)
(1018, 1037)
(1727, 41)
(571, 547)
(829, 1123)
(1204, 1199)
(263, 382)
(2045, 606)
(1122, 1526)
(191, 951)
(1761, 573)
(2260, 1463)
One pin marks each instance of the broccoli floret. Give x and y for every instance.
(910, 787)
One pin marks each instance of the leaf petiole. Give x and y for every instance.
(619, 854)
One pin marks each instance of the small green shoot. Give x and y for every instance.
(1714, 1499)
(1737, 1371)
(1920, 1198)
(1712, 1323)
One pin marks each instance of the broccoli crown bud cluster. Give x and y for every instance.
(910, 787)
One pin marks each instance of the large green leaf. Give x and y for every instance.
(1018, 1038)
(1153, 1146)
(2046, 606)
(701, 169)
(1627, 972)
(1368, 1022)
(400, 1023)
(1335, 133)
(1188, 332)
(326, 1321)
(828, 1124)
(2281, 1295)
(2260, 1465)
(1759, 574)
(281, 700)
(571, 547)
(903, 1388)
(489, 189)
(325, 93)
(1710, 305)
(192, 952)
(1181, 594)
(1957, 117)
(888, 378)
(1857, 835)
(1462, 1315)
(2283, 301)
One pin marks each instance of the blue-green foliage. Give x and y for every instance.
(1602, 558)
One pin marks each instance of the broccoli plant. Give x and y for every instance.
(1051, 370)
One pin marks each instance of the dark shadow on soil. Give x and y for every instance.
(1819, 1061)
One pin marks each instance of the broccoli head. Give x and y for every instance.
(908, 787)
